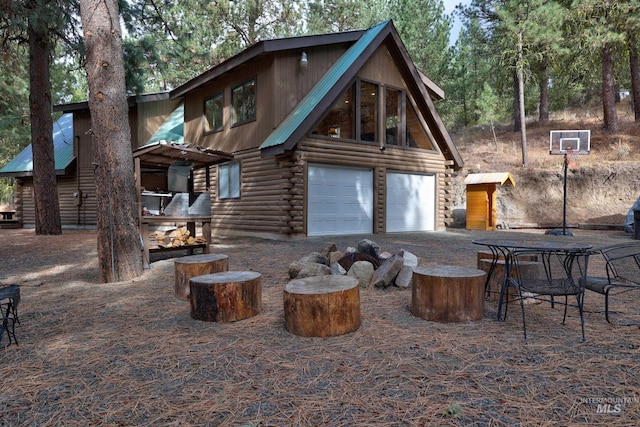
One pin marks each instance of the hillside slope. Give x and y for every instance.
(601, 186)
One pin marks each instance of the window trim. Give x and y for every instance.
(253, 79)
(228, 168)
(204, 114)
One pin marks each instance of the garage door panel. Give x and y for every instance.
(340, 200)
(410, 202)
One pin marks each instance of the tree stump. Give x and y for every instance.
(447, 293)
(322, 306)
(196, 265)
(226, 297)
(528, 269)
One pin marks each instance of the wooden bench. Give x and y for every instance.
(621, 275)
(196, 265)
(322, 306)
(446, 293)
(226, 296)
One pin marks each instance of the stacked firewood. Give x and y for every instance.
(176, 238)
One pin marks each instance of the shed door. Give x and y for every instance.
(339, 200)
(411, 203)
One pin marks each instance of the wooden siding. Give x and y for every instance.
(267, 198)
(75, 212)
(381, 68)
(273, 189)
(280, 82)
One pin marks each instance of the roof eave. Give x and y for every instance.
(449, 150)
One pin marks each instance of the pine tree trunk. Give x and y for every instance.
(635, 77)
(119, 247)
(608, 90)
(45, 185)
(517, 123)
(543, 115)
(523, 124)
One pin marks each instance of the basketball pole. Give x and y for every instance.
(564, 202)
(564, 231)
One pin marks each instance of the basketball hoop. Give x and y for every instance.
(570, 144)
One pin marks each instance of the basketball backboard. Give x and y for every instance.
(574, 141)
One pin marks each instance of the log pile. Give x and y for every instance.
(176, 238)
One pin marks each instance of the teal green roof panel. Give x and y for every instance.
(22, 164)
(172, 130)
(310, 102)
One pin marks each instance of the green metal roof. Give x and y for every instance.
(172, 130)
(22, 164)
(302, 111)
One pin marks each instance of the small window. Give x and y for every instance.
(243, 102)
(213, 108)
(229, 180)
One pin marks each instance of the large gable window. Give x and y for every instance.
(340, 120)
(243, 102)
(229, 180)
(416, 135)
(213, 109)
(354, 115)
(368, 111)
(392, 116)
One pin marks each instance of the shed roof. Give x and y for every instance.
(490, 178)
(22, 164)
(162, 154)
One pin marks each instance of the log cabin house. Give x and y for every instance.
(330, 134)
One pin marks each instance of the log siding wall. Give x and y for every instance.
(273, 189)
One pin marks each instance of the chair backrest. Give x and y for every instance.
(623, 261)
(13, 292)
(564, 269)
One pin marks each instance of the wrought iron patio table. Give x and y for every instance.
(508, 249)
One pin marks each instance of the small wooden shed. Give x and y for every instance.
(481, 198)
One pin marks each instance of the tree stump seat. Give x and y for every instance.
(227, 296)
(322, 306)
(196, 265)
(445, 293)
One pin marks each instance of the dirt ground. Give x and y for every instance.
(128, 353)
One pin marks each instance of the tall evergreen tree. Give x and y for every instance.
(600, 24)
(39, 24)
(425, 30)
(119, 250)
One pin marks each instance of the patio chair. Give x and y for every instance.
(9, 300)
(622, 275)
(561, 277)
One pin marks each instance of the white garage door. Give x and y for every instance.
(410, 202)
(340, 200)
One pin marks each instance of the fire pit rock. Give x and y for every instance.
(365, 262)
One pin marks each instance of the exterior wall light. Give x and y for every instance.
(303, 60)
